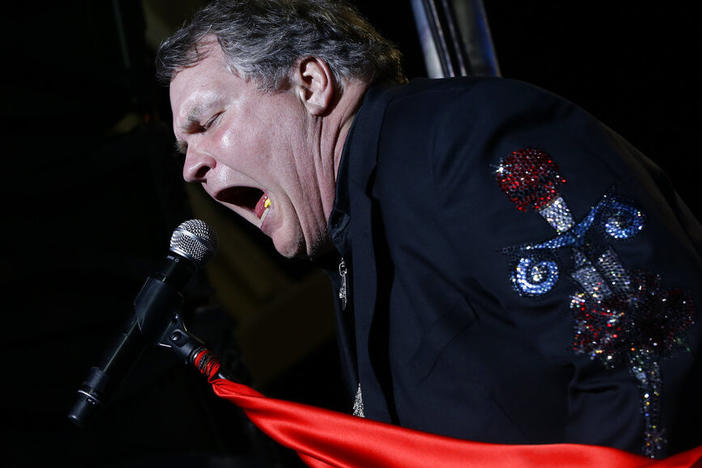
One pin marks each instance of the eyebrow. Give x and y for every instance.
(191, 124)
(196, 113)
(181, 146)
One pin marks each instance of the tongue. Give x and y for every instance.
(260, 206)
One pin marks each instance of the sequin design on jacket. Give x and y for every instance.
(621, 317)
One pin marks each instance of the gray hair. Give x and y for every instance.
(263, 39)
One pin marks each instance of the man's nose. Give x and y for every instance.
(197, 165)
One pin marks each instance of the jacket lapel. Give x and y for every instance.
(362, 163)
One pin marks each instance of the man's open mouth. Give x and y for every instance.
(250, 198)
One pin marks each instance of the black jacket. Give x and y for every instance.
(442, 330)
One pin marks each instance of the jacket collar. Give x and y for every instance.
(358, 161)
(351, 230)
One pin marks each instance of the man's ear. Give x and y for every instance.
(314, 84)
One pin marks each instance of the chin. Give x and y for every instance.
(298, 248)
(290, 247)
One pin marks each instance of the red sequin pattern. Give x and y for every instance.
(650, 318)
(529, 178)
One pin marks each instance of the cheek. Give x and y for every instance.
(226, 140)
(235, 147)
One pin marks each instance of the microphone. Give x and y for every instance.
(192, 245)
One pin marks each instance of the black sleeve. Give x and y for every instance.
(633, 253)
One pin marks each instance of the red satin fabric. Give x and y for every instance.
(326, 439)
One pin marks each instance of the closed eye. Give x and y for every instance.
(210, 122)
(195, 127)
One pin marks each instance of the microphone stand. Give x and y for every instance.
(193, 351)
(190, 348)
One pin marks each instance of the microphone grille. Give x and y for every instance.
(194, 239)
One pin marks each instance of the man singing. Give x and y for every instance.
(508, 269)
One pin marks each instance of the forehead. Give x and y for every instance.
(194, 89)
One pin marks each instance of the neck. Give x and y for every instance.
(335, 130)
(348, 104)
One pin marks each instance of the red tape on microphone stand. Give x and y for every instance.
(324, 438)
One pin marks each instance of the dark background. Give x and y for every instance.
(91, 192)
